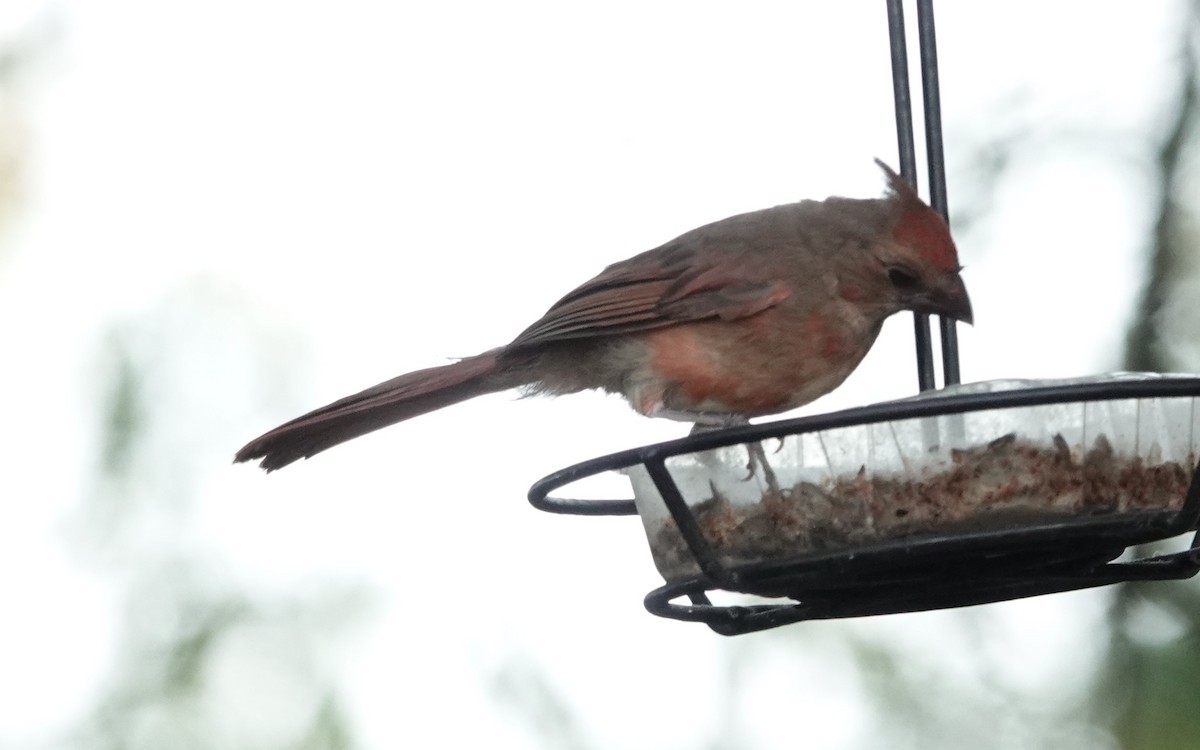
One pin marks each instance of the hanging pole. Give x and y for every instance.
(908, 167)
(931, 94)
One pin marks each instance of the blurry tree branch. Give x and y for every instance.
(525, 689)
(1151, 675)
(193, 642)
(1144, 343)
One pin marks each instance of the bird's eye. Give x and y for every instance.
(902, 278)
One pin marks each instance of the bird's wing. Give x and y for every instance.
(657, 289)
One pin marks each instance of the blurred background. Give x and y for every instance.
(216, 215)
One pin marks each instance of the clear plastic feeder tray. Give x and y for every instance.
(968, 495)
(859, 485)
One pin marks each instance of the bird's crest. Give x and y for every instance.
(919, 226)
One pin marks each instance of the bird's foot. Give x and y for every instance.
(758, 457)
(707, 422)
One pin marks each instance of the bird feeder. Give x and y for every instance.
(964, 495)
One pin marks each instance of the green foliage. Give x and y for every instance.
(193, 644)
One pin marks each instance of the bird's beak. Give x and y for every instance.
(949, 298)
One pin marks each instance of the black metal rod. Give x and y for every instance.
(935, 154)
(686, 523)
(862, 585)
(931, 95)
(908, 168)
(1170, 387)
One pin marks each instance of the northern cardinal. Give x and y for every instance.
(755, 314)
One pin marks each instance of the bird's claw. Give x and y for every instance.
(757, 455)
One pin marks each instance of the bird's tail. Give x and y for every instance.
(395, 400)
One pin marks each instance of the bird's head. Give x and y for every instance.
(917, 262)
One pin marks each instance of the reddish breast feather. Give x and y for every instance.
(921, 227)
(709, 379)
(823, 339)
(758, 365)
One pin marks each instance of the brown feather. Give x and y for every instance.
(392, 401)
(751, 315)
(645, 293)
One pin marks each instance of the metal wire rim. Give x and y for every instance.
(919, 572)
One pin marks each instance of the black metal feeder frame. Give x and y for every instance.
(933, 570)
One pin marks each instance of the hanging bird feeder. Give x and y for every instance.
(967, 495)
(964, 495)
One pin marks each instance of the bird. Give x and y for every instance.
(753, 315)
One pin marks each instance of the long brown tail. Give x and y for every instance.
(389, 402)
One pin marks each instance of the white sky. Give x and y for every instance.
(387, 185)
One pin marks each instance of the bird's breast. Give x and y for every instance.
(767, 363)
